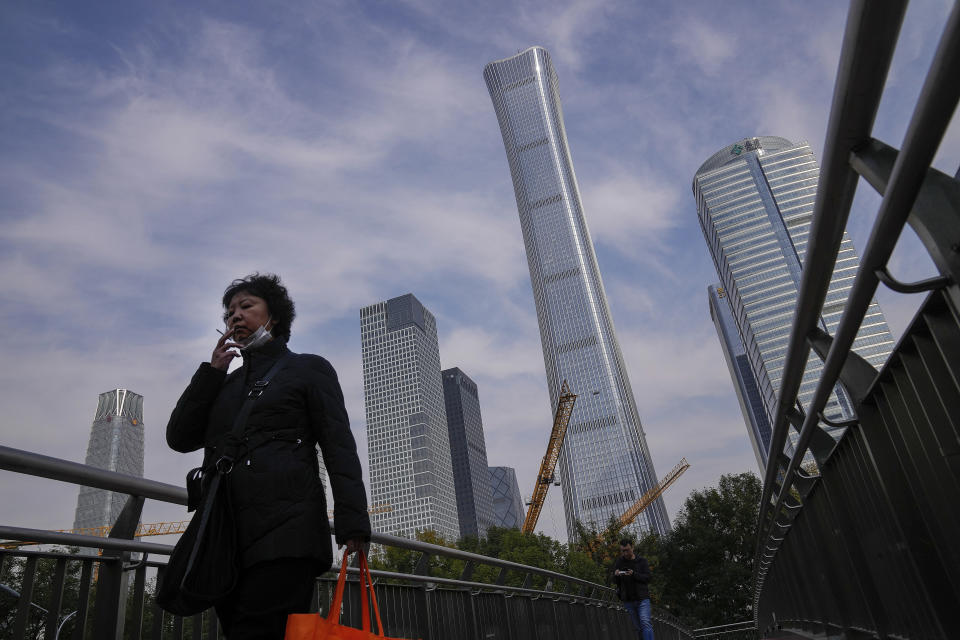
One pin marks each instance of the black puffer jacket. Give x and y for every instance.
(634, 587)
(277, 496)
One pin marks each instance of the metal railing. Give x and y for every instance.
(869, 545)
(746, 630)
(414, 605)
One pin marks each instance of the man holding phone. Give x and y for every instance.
(632, 576)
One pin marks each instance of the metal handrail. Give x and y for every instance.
(44, 536)
(37, 464)
(412, 577)
(434, 549)
(929, 122)
(31, 463)
(868, 45)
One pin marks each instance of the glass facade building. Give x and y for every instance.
(116, 444)
(604, 465)
(411, 477)
(468, 451)
(755, 202)
(744, 382)
(508, 508)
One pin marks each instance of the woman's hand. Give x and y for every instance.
(356, 544)
(222, 354)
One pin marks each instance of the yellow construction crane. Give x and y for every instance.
(549, 463)
(647, 498)
(152, 529)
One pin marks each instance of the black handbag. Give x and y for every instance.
(203, 566)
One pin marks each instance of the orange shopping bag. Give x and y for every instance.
(313, 626)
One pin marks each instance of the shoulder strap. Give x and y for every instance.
(256, 392)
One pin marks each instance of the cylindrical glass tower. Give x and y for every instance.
(755, 202)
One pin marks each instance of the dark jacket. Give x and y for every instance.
(276, 493)
(634, 587)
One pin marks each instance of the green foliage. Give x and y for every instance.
(706, 563)
(12, 576)
(405, 561)
(702, 571)
(535, 550)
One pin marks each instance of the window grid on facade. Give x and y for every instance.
(507, 504)
(411, 478)
(603, 469)
(468, 451)
(755, 202)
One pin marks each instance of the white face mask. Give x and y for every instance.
(257, 339)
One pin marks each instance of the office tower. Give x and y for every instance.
(411, 478)
(116, 444)
(508, 508)
(755, 202)
(325, 479)
(468, 452)
(604, 465)
(744, 382)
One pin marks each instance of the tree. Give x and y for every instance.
(12, 576)
(701, 571)
(602, 548)
(535, 550)
(705, 565)
(400, 560)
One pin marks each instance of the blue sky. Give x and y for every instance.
(152, 152)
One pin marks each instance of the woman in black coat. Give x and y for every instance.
(275, 491)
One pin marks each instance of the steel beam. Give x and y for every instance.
(36, 464)
(868, 44)
(934, 110)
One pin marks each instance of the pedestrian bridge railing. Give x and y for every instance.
(746, 630)
(866, 546)
(81, 595)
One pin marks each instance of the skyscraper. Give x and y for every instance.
(605, 465)
(411, 478)
(755, 201)
(116, 444)
(508, 508)
(744, 382)
(468, 451)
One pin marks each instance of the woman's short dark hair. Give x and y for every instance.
(626, 542)
(268, 287)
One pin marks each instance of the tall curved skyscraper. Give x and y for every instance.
(605, 465)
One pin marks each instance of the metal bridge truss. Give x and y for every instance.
(414, 605)
(870, 547)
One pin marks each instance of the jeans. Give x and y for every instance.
(639, 611)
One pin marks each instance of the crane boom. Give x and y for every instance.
(151, 529)
(560, 421)
(645, 500)
(653, 493)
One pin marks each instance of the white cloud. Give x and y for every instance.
(630, 211)
(483, 353)
(708, 47)
(355, 152)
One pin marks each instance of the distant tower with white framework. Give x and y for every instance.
(116, 444)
